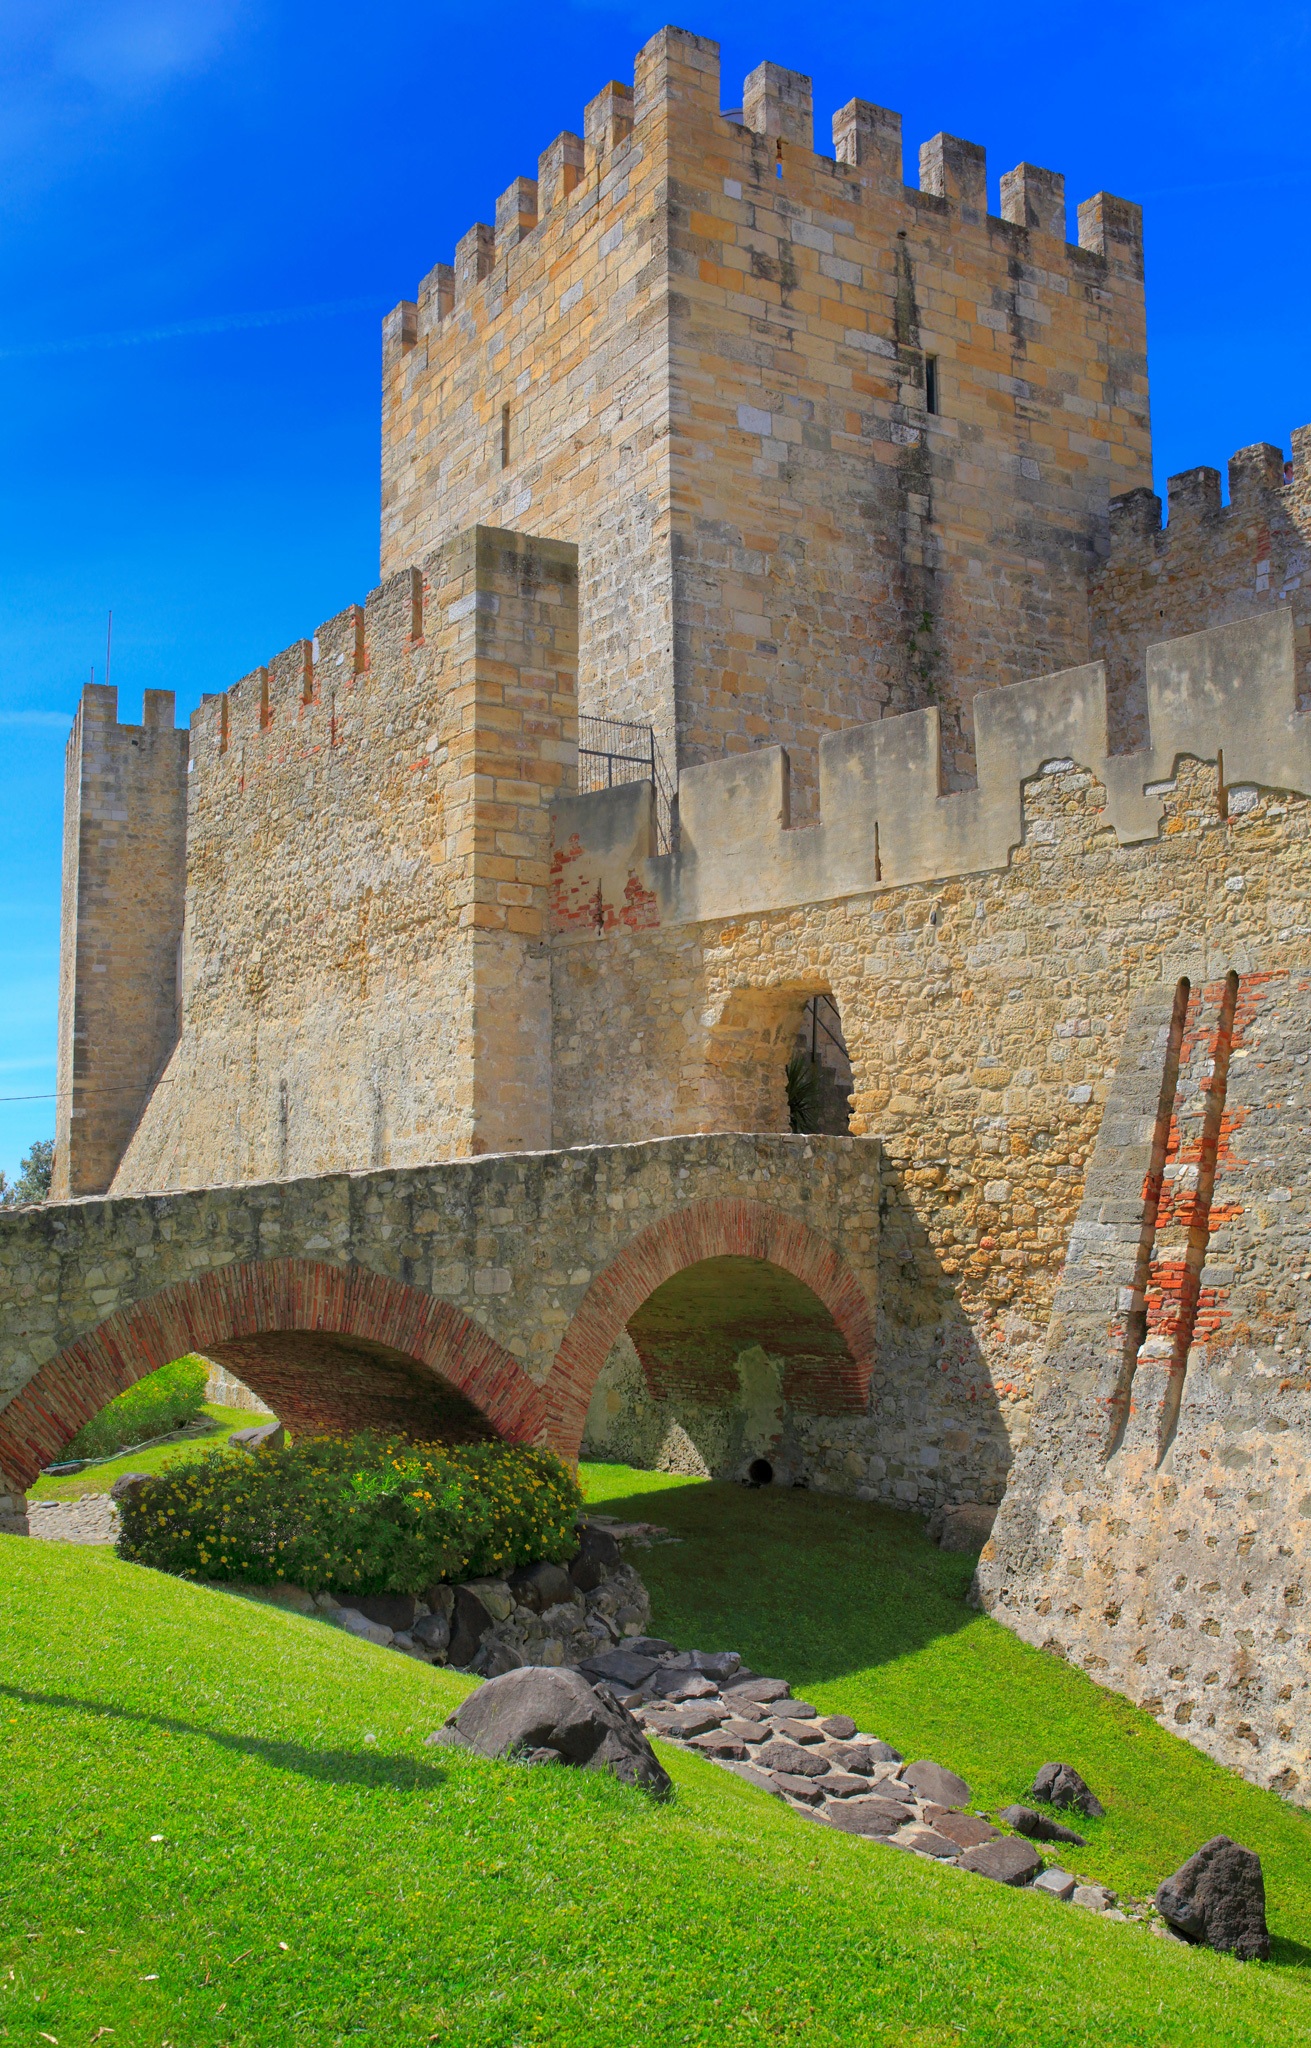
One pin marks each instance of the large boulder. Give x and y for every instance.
(1061, 1785)
(469, 1624)
(257, 1436)
(128, 1482)
(1218, 1897)
(539, 1708)
(540, 1586)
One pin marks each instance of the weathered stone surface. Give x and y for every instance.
(843, 1785)
(868, 1816)
(763, 1691)
(967, 1830)
(1037, 1826)
(806, 1732)
(1061, 1785)
(624, 1667)
(598, 1555)
(259, 1436)
(472, 1620)
(808, 1790)
(393, 1610)
(433, 1631)
(840, 1727)
(682, 1685)
(535, 1708)
(865, 1757)
(1007, 1860)
(357, 1624)
(1094, 1898)
(932, 1781)
(788, 1756)
(721, 1745)
(125, 1483)
(1218, 1897)
(540, 1586)
(927, 1842)
(1058, 1883)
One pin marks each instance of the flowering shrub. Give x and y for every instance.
(162, 1401)
(360, 1514)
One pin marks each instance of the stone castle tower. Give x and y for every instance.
(778, 632)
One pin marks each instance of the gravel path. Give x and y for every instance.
(93, 1519)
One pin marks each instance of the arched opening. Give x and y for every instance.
(324, 1385)
(329, 1348)
(723, 1330)
(777, 1060)
(819, 1078)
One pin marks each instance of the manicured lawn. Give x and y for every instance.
(99, 1478)
(320, 1877)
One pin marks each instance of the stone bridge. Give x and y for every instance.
(471, 1298)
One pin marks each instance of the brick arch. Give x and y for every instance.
(328, 1333)
(694, 1236)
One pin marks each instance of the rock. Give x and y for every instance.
(747, 1710)
(598, 1556)
(1094, 1898)
(928, 1842)
(1218, 1897)
(843, 1785)
(492, 1659)
(496, 1597)
(651, 1646)
(1057, 1883)
(966, 1830)
(856, 1756)
(932, 1781)
(1061, 1785)
(1006, 1860)
(1037, 1827)
(540, 1586)
(800, 1731)
(793, 1787)
(966, 1526)
(882, 1750)
(839, 1726)
(623, 1667)
(746, 1731)
(685, 1722)
(870, 1816)
(126, 1483)
(535, 1708)
(787, 1756)
(801, 1710)
(716, 1664)
(357, 1624)
(682, 1685)
(470, 1624)
(543, 1756)
(393, 1610)
(764, 1691)
(440, 1599)
(433, 1631)
(719, 1743)
(271, 1433)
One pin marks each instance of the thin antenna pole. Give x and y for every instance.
(109, 644)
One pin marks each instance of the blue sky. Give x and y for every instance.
(206, 206)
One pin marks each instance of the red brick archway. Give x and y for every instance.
(341, 1346)
(691, 1237)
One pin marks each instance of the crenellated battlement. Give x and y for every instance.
(1226, 695)
(777, 107)
(1211, 561)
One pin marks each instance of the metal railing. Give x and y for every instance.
(613, 751)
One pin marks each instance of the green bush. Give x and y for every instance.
(162, 1401)
(359, 1514)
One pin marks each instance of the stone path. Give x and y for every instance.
(93, 1519)
(824, 1767)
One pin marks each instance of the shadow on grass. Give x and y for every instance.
(326, 1766)
(831, 1584)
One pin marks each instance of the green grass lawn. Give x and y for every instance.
(320, 1877)
(99, 1478)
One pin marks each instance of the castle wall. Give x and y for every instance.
(984, 1010)
(121, 924)
(1212, 563)
(699, 349)
(1155, 1529)
(365, 976)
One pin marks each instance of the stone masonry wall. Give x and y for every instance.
(365, 976)
(1211, 563)
(123, 889)
(984, 1016)
(702, 351)
(1156, 1529)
